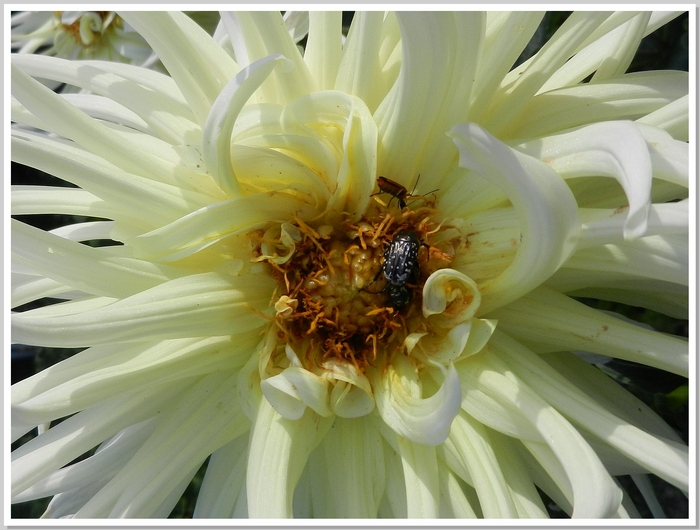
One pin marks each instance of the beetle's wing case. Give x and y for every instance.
(401, 258)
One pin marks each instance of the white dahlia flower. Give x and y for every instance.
(341, 278)
(79, 35)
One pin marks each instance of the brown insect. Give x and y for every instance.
(396, 190)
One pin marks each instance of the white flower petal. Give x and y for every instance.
(436, 68)
(29, 287)
(198, 65)
(594, 492)
(163, 116)
(92, 270)
(470, 444)
(452, 295)
(611, 396)
(351, 396)
(66, 441)
(324, 48)
(612, 149)
(224, 481)
(478, 402)
(669, 156)
(527, 499)
(420, 469)
(217, 130)
(665, 458)
(68, 121)
(507, 35)
(627, 97)
(107, 372)
(207, 304)
(611, 53)
(278, 451)
(663, 258)
(664, 297)
(672, 118)
(212, 415)
(132, 199)
(461, 341)
(548, 211)
(400, 405)
(149, 78)
(85, 231)
(550, 475)
(294, 389)
(359, 71)
(505, 113)
(30, 200)
(453, 501)
(109, 458)
(353, 460)
(205, 418)
(65, 504)
(208, 225)
(394, 503)
(601, 226)
(354, 181)
(258, 34)
(263, 167)
(554, 322)
(608, 55)
(350, 401)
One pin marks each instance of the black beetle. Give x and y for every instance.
(401, 267)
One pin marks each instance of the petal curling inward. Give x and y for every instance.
(401, 406)
(327, 114)
(614, 149)
(291, 391)
(208, 225)
(217, 130)
(545, 204)
(351, 395)
(451, 294)
(258, 34)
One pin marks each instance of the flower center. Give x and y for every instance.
(89, 28)
(351, 291)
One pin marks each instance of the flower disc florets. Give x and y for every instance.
(334, 300)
